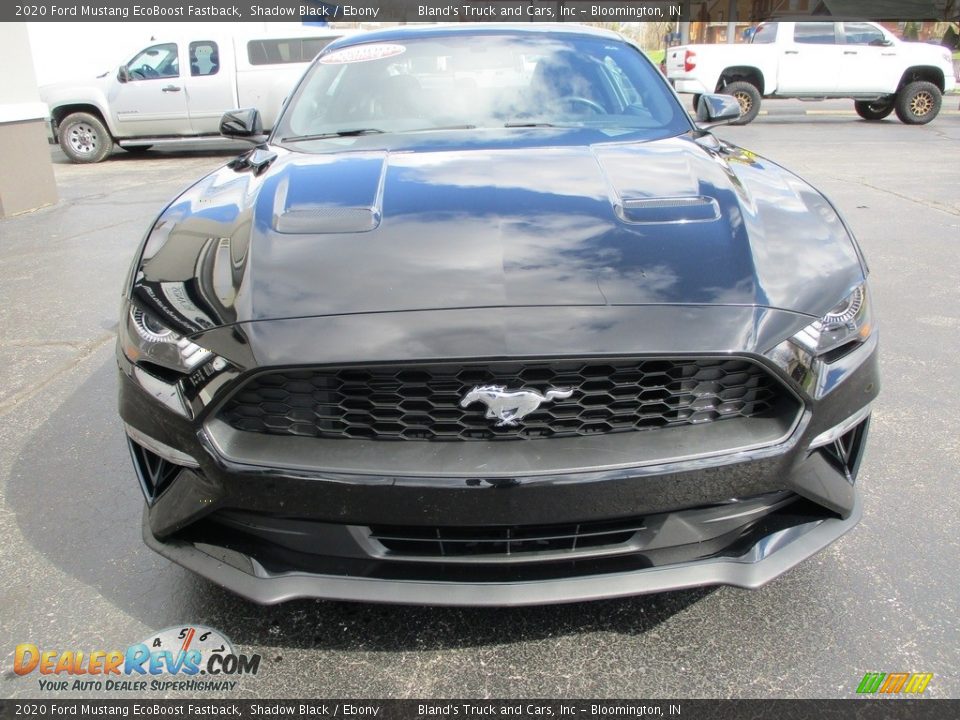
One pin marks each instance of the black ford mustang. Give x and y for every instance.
(488, 320)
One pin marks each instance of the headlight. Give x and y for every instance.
(145, 339)
(848, 321)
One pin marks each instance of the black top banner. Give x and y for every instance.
(318, 11)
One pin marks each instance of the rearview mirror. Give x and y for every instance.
(123, 74)
(714, 109)
(244, 124)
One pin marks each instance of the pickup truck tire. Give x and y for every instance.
(873, 109)
(749, 98)
(84, 138)
(696, 102)
(918, 102)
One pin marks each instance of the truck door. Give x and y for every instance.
(810, 60)
(148, 97)
(209, 83)
(870, 62)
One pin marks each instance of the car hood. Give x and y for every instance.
(672, 221)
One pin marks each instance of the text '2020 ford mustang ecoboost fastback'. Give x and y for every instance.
(488, 320)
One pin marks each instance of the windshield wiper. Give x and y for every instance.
(441, 127)
(336, 133)
(529, 124)
(371, 131)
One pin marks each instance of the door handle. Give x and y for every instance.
(172, 88)
(791, 52)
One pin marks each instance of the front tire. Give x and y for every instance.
(696, 102)
(84, 138)
(873, 110)
(918, 102)
(749, 98)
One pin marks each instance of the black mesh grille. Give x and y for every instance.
(506, 540)
(423, 402)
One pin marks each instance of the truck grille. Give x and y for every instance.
(423, 402)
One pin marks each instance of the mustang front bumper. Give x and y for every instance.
(771, 555)
(602, 516)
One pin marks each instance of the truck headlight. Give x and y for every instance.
(144, 338)
(848, 321)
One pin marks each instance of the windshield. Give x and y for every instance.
(481, 81)
(765, 34)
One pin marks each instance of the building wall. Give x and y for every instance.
(27, 179)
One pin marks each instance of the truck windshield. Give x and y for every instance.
(764, 34)
(481, 81)
(158, 61)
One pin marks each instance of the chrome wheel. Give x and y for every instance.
(83, 138)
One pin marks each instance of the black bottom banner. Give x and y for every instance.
(866, 709)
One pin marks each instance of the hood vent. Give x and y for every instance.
(312, 220)
(668, 210)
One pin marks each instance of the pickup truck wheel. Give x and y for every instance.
(918, 103)
(873, 109)
(749, 98)
(84, 138)
(696, 102)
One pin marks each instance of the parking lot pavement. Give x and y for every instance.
(884, 598)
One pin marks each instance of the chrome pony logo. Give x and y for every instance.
(508, 407)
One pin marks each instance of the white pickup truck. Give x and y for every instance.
(177, 89)
(819, 60)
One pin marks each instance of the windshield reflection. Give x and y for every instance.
(477, 81)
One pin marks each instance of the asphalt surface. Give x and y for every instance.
(74, 573)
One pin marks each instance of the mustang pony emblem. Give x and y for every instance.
(510, 406)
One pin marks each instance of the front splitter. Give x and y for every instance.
(768, 558)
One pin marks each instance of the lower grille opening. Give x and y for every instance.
(277, 550)
(508, 540)
(154, 473)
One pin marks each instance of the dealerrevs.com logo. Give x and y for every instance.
(197, 658)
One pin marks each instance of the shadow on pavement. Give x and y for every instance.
(171, 152)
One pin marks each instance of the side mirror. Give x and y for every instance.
(713, 109)
(123, 74)
(242, 124)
